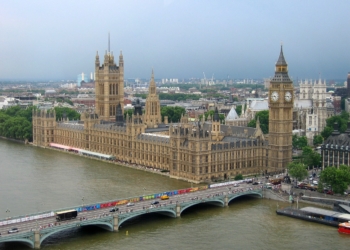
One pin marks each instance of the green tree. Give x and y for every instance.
(238, 177)
(173, 113)
(339, 179)
(297, 170)
(128, 112)
(341, 120)
(302, 141)
(71, 114)
(239, 109)
(310, 157)
(327, 131)
(264, 121)
(318, 139)
(17, 128)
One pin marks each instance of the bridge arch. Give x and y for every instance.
(167, 212)
(26, 242)
(255, 194)
(214, 202)
(102, 224)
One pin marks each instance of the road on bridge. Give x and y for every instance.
(33, 225)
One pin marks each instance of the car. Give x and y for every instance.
(255, 183)
(236, 185)
(130, 204)
(13, 230)
(315, 182)
(154, 202)
(164, 197)
(330, 192)
(115, 209)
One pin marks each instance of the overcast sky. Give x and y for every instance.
(45, 40)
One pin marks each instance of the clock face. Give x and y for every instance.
(288, 96)
(274, 96)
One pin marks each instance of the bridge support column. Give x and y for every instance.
(225, 201)
(37, 239)
(116, 223)
(178, 210)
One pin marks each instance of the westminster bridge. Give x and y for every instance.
(34, 229)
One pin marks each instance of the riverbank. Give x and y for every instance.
(14, 140)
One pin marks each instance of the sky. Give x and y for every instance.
(235, 39)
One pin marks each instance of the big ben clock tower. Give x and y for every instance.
(280, 117)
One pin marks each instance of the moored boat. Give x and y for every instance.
(344, 228)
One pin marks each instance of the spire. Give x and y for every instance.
(257, 122)
(281, 70)
(281, 61)
(109, 43)
(152, 85)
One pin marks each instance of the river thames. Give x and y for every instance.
(34, 179)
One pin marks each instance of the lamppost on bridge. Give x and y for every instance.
(8, 211)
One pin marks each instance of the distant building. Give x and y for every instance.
(336, 149)
(337, 104)
(50, 92)
(83, 78)
(311, 108)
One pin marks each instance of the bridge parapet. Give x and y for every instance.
(112, 221)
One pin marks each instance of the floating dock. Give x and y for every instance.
(318, 215)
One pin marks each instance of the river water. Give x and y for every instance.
(34, 179)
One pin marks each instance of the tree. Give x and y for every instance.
(310, 158)
(264, 121)
(17, 128)
(299, 141)
(297, 170)
(128, 113)
(338, 179)
(318, 139)
(341, 120)
(239, 109)
(327, 131)
(16, 123)
(238, 177)
(71, 114)
(173, 113)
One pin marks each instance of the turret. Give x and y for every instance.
(97, 60)
(121, 60)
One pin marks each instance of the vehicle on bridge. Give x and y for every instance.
(164, 197)
(66, 215)
(115, 209)
(13, 230)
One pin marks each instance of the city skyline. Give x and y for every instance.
(178, 39)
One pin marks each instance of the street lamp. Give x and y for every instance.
(144, 191)
(8, 211)
(82, 202)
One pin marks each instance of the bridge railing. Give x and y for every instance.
(110, 203)
(99, 205)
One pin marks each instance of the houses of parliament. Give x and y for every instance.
(199, 151)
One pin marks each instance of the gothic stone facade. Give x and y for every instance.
(196, 151)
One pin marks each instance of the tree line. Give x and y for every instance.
(16, 123)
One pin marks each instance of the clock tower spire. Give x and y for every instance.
(280, 117)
